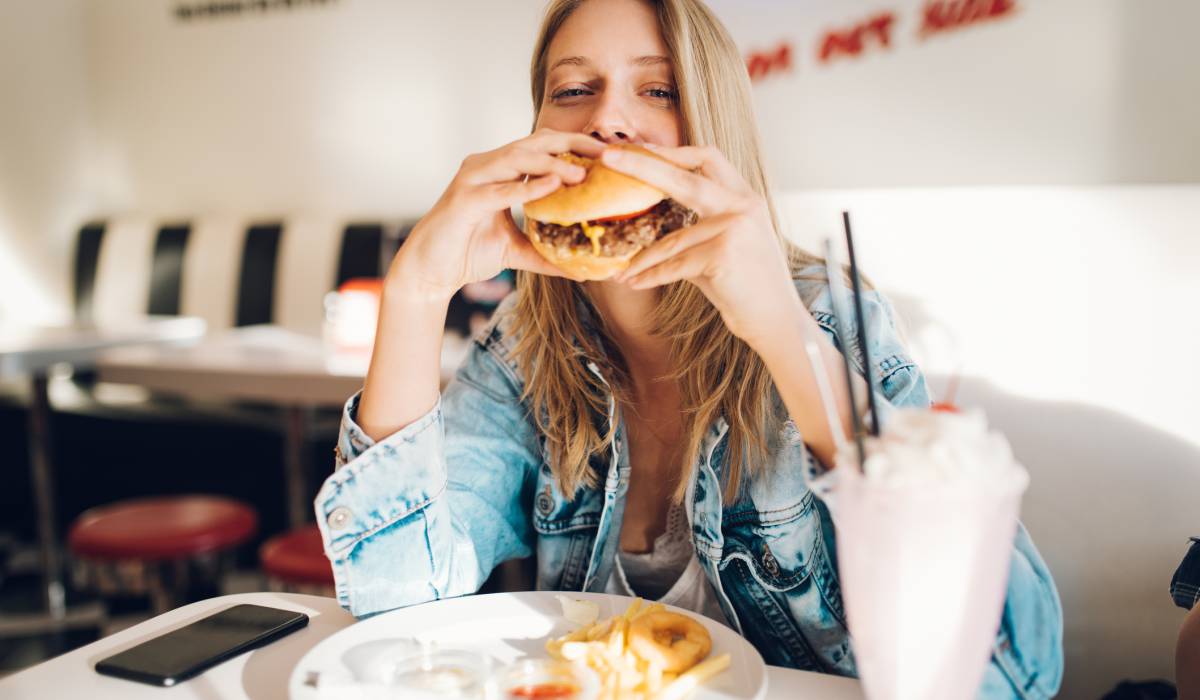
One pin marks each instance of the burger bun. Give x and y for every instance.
(602, 193)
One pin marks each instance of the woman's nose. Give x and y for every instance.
(609, 124)
(609, 135)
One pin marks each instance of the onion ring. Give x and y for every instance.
(672, 641)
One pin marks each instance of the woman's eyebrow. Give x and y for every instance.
(569, 61)
(650, 60)
(581, 61)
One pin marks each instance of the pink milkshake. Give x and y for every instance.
(925, 535)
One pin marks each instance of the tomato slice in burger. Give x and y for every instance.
(624, 217)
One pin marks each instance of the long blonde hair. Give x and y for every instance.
(718, 375)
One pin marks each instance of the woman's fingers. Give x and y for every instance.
(555, 142)
(516, 162)
(526, 258)
(707, 159)
(504, 195)
(693, 190)
(535, 155)
(521, 255)
(673, 244)
(693, 263)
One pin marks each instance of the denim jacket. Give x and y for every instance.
(429, 511)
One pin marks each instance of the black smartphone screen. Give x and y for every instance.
(185, 652)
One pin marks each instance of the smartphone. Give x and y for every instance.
(180, 654)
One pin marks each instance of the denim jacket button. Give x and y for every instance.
(339, 518)
(768, 561)
(545, 501)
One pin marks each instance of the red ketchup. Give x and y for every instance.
(544, 691)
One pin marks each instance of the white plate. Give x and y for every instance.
(509, 626)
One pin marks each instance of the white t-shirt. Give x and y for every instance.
(669, 573)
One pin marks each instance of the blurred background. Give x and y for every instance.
(1024, 179)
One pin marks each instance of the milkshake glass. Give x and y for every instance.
(924, 542)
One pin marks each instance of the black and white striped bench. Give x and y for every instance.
(230, 272)
(227, 271)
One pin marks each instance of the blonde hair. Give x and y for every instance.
(718, 375)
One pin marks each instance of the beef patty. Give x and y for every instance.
(620, 237)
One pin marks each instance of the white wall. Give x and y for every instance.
(369, 104)
(366, 103)
(1059, 293)
(44, 166)
(364, 106)
(1062, 92)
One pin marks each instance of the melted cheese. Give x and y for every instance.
(594, 233)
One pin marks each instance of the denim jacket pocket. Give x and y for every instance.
(776, 544)
(566, 530)
(555, 514)
(565, 524)
(776, 568)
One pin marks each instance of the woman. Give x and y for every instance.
(647, 434)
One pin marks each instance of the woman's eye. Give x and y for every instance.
(662, 94)
(568, 92)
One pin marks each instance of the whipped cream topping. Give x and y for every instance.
(920, 446)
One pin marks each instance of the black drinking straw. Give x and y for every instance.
(856, 286)
(833, 276)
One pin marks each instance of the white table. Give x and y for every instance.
(30, 351)
(254, 363)
(268, 364)
(26, 350)
(263, 674)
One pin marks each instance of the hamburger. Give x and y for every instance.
(592, 230)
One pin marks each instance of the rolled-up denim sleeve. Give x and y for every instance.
(352, 441)
(894, 375)
(896, 380)
(429, 511)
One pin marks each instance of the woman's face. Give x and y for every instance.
(609, 75)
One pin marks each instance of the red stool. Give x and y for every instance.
(296, 561)
(161, 538)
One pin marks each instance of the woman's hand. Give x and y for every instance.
(732, 253)
(469, 234)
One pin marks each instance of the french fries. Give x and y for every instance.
(603, 647)
(693, 677)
